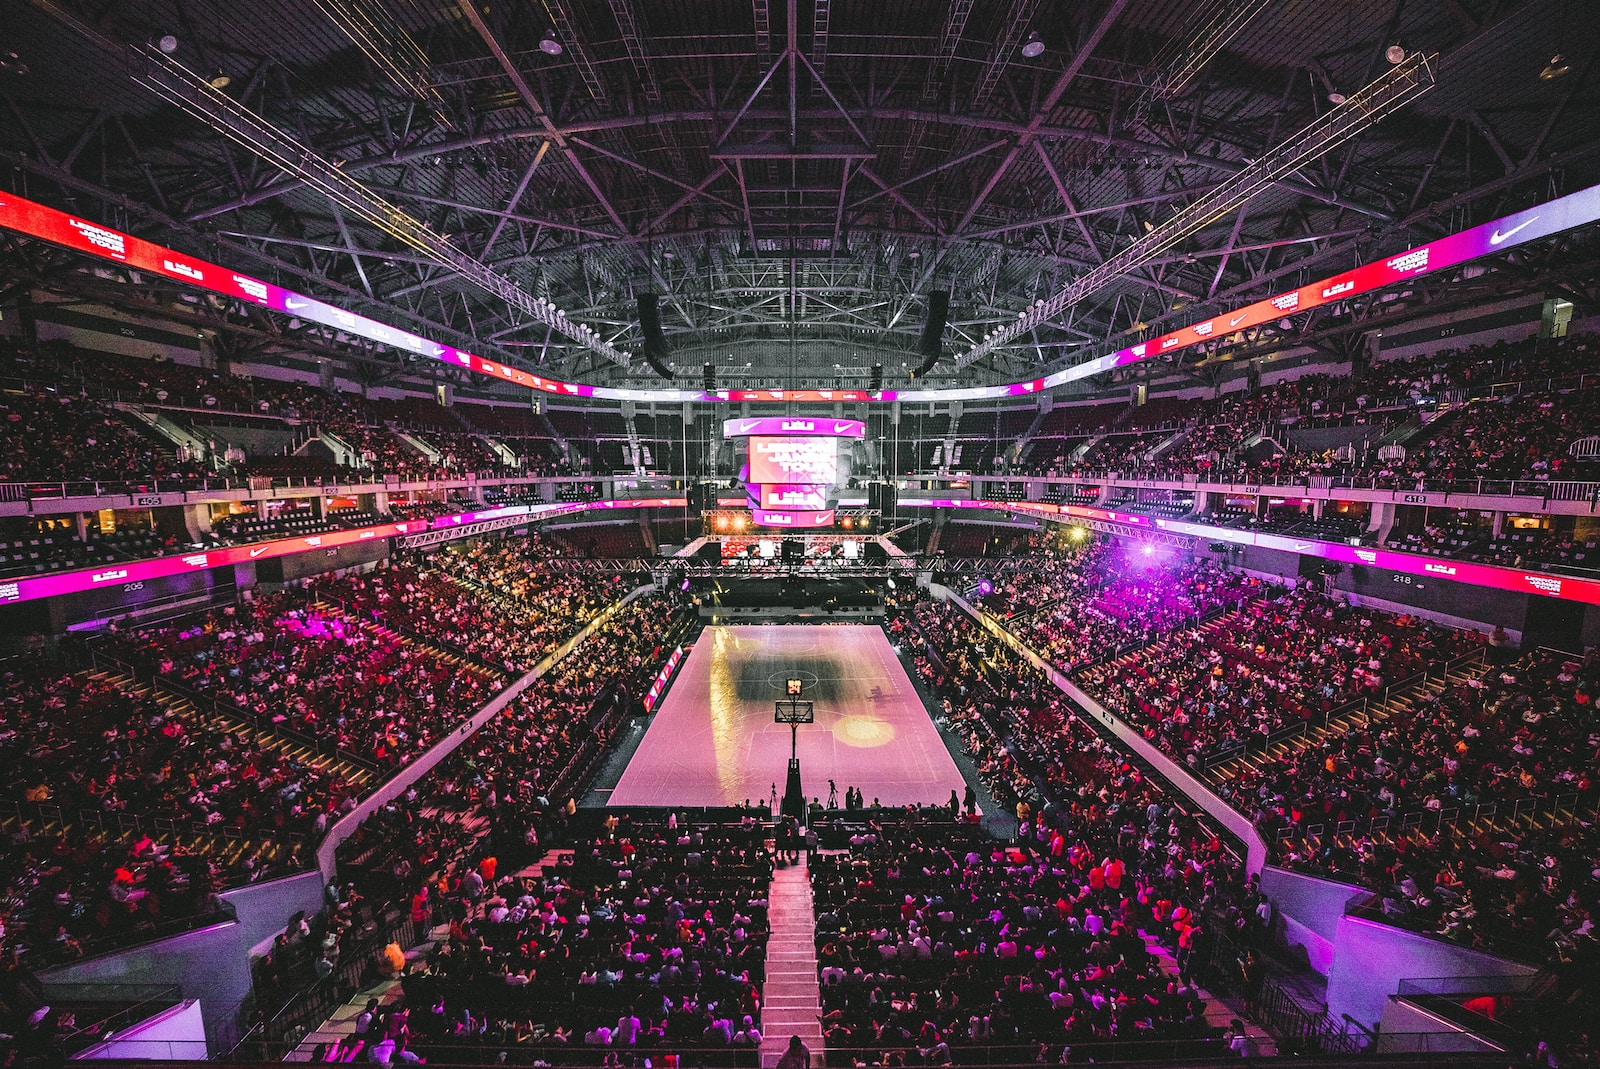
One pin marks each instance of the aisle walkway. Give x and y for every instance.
(341, 1027)
(793, 1001)
(1219, 1012)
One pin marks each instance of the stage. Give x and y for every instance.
(713, 741)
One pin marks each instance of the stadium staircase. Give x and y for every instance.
(1402, 699)
(792, 1000)
(438, 648)
(228, 845)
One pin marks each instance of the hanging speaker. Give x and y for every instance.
(933, 330)
(708, 376)
(877, 378)
(655, 342)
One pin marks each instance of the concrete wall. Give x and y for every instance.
(177, 1034)
(209, 964)
(1371, 958)
(264, 908)
(1309, 908)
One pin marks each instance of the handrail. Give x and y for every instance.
(1242, 746)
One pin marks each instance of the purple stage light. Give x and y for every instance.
(985, 588)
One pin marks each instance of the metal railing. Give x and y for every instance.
(223, 709)
(1302, 1030)
(271, 1037)
(1261, 744)
(1559, 809)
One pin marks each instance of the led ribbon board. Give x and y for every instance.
(110, 576)
(1517, 580)
(1564, 213)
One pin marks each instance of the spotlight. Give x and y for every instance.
(985, 588)
(738, 523)
(1557, 67)
(891, 583)
(1336, 97)
(1395, 54)
(685, 585)
(1148, 549)
(220, 80)
(1034, 46)
(168, 44)
(1078, 534)
(549, 45)
(847, 523)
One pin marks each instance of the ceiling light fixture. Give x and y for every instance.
(549, 45)
(1395, 54)
(168, 44)
(1335, 97)
(1557, 67)
(1034, 47)
(220, 80)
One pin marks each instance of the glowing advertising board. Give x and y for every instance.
(1517, 580)
(659, 686)
(793, 460)
(111, 575)
(793, 426)
(808, 496)
(791, 519)
(1564, 213)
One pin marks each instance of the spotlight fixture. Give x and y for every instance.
(1558, 67)
(549, 45)
(220, 79)
(1034, 46)
(1395, 54)
(1335, 97)
(168, 44)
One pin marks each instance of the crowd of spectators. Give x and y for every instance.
(1284, 659)
(927, 947)
(644, 937)
(1492, 739)
(1077, 603)
(340, 682)
(534, 612)
(59, 437)
(156, 808)
(1518, 432)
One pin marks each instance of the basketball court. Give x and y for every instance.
(713, 741)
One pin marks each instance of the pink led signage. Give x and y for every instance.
(792, 520)
(659, 687)
(86, 236)
(1517, 580)
(114, 575)
(794, 426)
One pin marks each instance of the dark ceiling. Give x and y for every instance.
(793, 182)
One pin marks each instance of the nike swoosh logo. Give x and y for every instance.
(1497, 237)
(840, 428)
(291, 304)
(257, 552)
(1236, 320)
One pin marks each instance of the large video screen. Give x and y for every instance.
(794, 460)
(809, 496)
